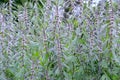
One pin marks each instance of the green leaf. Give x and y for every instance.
(9, 74)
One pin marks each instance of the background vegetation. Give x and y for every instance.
(59, 40)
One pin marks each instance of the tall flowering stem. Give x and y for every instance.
(111, 24)
(1, 40)
(58, 43)
(24, 40)
(9, 28)
(46, 16)
(46, 51)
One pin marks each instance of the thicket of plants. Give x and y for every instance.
(60, 40)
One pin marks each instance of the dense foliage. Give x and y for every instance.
(60, 40)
